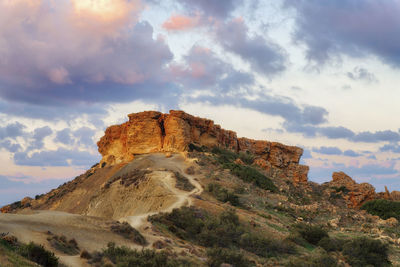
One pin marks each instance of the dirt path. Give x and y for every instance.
(175, 163)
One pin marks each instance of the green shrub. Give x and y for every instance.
(223, 194)
(246, 157)
(265, 247)
(61, 244)
(123, 256)
(246, 173)
(365, 252)
(324, 260)
(183, 182)
(312, 234)
(124, 229)
(224, 231)
(218, 256)
(383, 208)
(38, 254)
(331, 244)
(192, 147)
(251, 175)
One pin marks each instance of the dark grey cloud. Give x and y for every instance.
(203, 70)
(328, 150)
(351, 153)
(362, 74)
(220, 9)
(264, 56)
(12, 130)
(272, 105)
(38, 137)
(59, 157)
(85, 136)
(64, 136)
(378, 136)
(340, 132)
(351, 27)
(336, 132)
(10, 146)
(393, 147)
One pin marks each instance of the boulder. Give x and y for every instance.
(357, 194)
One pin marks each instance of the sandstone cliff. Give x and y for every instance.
(152, 131)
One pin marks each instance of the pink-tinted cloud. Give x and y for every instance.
(77, 50)
(181, 23)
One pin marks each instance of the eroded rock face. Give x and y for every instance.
(152, 131)
(358, 193)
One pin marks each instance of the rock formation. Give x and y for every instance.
(357, 193)
(152, 131)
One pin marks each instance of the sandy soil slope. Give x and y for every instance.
(134, 205)
(91, 233)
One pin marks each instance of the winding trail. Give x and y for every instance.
(175, 163)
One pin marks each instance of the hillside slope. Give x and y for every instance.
(198, 187)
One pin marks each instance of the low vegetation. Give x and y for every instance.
(223, 194)
(365, 251)
(134, 177)
(219, 256)
(224, 231)
(183, 182)
(124, 229)
(32, 252)
(383, 208)
(360, 251)
(61, 243)
(311, 234)
(246, 173)
(123, 256)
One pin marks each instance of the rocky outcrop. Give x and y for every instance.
(152, 131)
(354, 194)
(394, 195)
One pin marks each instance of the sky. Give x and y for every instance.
(322, 75)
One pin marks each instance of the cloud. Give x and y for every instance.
(362, 74)
(69, 53)
(38, 136)
(264, 56)
(219, 9)
(328, 150)
(336, 132)
(351, 153)
(378, 136)
(12, 130)
(64, 137)
(203, 69)
(395, 148)
(340, 132)
(181, 23)
(85, 136)
(10, 146)
(59, 157)
(350, 27)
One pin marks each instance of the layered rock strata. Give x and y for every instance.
(152, 131)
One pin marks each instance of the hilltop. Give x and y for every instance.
(184, 186)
